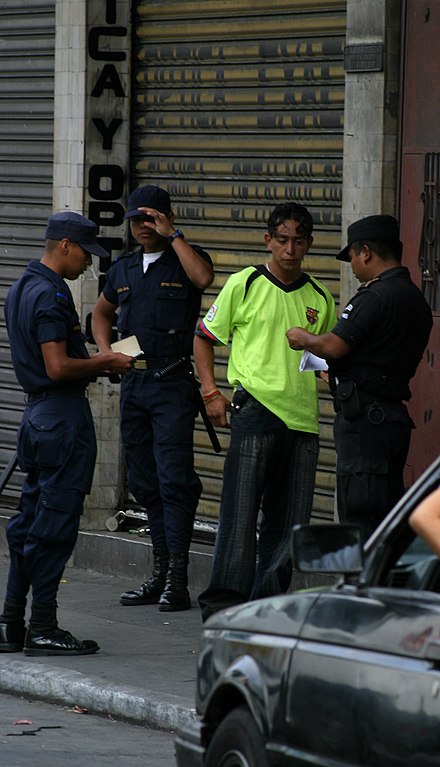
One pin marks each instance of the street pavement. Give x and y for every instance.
(39, 734)
(145, 671)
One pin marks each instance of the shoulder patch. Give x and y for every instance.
(62, 298)
(211, 313)
(346, 313)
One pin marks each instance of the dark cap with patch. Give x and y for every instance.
(374, 228)
(77, 229)
(148, 197)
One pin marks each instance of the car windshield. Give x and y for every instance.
(416, 568)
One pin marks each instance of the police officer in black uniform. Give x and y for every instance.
(56, 439)
(158, 289)
(372, 353)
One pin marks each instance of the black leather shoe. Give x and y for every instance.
(12, 636)
(55, 641)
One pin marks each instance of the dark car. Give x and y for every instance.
(346, 674)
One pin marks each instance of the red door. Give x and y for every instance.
(420, 212)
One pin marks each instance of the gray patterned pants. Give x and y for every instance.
(269, 468)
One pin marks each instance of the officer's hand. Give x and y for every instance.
(161, 223)
(217, 410)
(115, 362)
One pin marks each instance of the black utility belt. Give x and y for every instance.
(153, 363)
(55, 391)
(352, 401)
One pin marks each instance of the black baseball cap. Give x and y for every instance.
(75, 228)
(148, 197)
(374, 228)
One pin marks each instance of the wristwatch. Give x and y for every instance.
(177, 233)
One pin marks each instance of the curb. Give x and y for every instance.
(124, 555)
(71, 688)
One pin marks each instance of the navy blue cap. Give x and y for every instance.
(148, 197)
(75, 228)
(374, 228)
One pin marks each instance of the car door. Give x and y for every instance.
(364, 680)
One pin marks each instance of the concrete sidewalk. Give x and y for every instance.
(145, 670)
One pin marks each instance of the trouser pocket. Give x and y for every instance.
(41, 442)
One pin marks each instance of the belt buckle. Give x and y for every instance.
(140, 365)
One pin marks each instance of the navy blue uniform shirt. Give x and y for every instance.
(154, 302)
(387, 324)
(39, 308)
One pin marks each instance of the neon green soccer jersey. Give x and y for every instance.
(256, 310)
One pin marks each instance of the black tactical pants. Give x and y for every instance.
(372, 448)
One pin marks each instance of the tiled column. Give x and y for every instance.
(92, 52)
(371, 121)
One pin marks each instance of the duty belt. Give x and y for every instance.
(352, 401)
(153, 363)
(363, 398)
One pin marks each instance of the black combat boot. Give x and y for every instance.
(150, 591)
(44, 637)
(12, 626)
(175, 595)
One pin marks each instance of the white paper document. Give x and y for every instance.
(310, 361)
(129, 346)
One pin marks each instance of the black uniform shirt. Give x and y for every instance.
(155, 302)
(387, 324)
(39, 308)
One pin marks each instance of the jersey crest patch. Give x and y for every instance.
(312, 315)
(212, 312)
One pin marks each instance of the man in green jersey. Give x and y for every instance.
(274, 411)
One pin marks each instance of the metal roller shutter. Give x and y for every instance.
(27, 51)
(239, 106)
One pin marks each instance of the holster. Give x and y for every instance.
(239, 398)
(347, 399)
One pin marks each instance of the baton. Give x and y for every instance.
(183, 362)
(8, 472)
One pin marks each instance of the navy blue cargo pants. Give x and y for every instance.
(157, 428)
(57, 450)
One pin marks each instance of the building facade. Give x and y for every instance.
(233, 107)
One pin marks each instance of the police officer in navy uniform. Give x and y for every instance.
(56, 439)
(158, 289)
(372, 353)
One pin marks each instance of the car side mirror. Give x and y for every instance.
(327, 549)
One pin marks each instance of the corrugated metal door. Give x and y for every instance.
(239, 106)
(27, 51)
